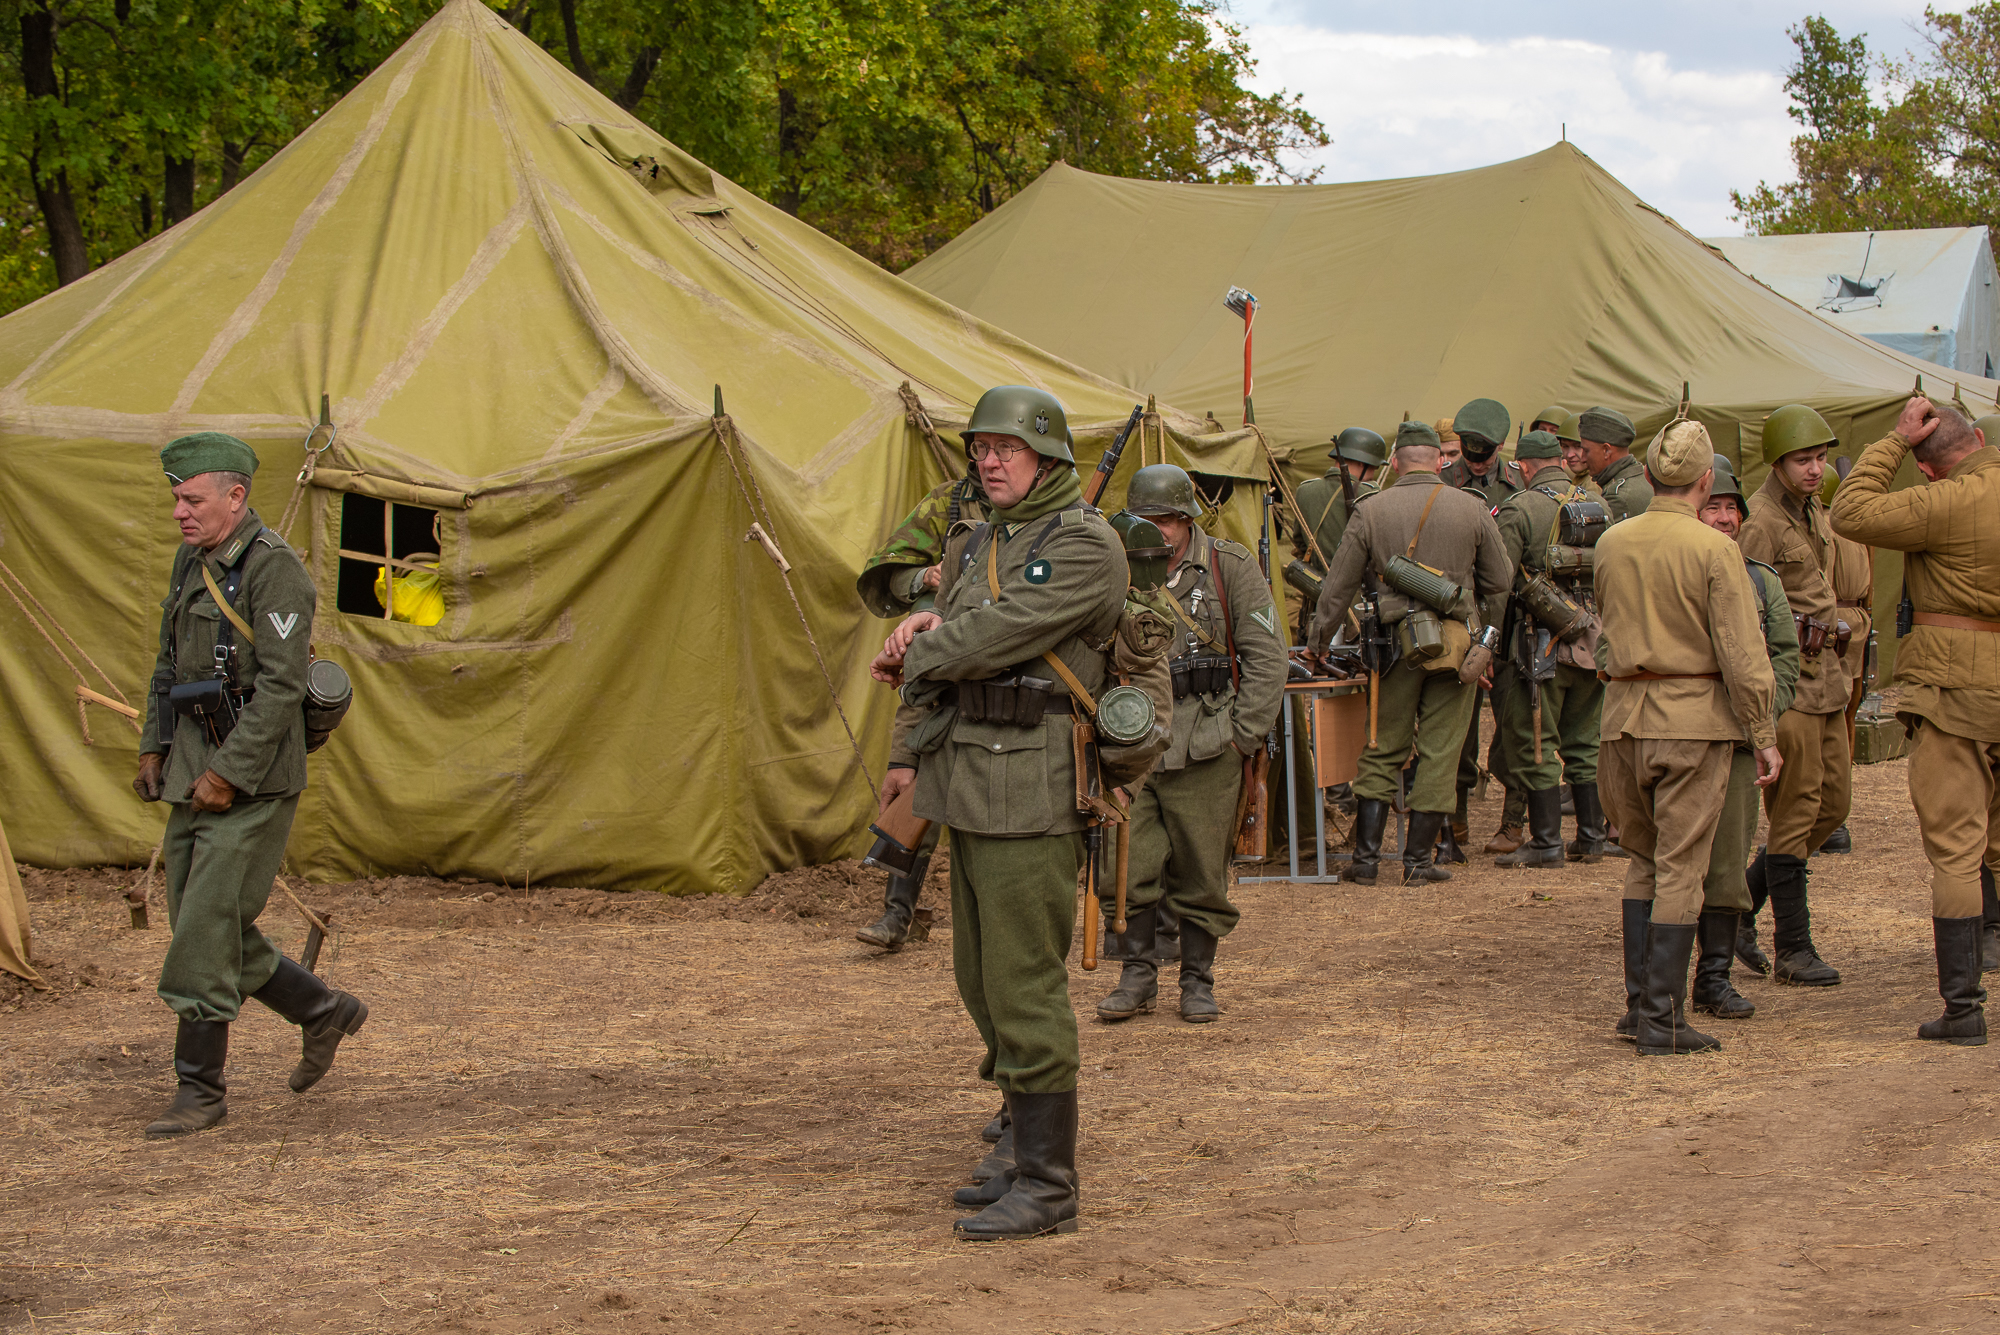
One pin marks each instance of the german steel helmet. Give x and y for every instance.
(1792, 428)
(1162, 489)
(1361, 446)
(1034, 417)
(1726, 483)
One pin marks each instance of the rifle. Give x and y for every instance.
(1374, 645)
(1109, 463)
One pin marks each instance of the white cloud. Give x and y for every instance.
(1406, 105)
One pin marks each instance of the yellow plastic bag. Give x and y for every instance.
(419, 599)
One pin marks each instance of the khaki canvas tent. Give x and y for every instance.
(519, 304)
(1537, 281)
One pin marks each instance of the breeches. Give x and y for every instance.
(1955, 787)
(1816, 784)
(1666, 796)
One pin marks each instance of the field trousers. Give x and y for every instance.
(1013, 912)
(219, 868)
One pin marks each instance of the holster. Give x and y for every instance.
(1843, 635)
(1812, 635)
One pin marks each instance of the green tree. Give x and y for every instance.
(1929, 156)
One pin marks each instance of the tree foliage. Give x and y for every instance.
(1928, 155)
(892, 124)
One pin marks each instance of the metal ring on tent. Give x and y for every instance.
(312, 455)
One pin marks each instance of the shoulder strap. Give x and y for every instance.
(235, 580)
(1422, 519)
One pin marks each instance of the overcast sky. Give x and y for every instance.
(1681, 101)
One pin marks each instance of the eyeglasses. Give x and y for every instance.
(978, 450)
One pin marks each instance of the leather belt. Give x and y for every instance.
(1663, 676)
(1850, 602)
(1946, 622)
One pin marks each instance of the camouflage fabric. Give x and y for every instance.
(891, 583)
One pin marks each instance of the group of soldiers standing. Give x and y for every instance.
(1662, 654)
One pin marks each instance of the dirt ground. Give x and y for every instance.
(580, 1111)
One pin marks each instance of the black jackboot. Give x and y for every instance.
(1138, 986)
(1747, 948)
(1964, 1020)
(1198, 974)
(1457, 831)
(1418, 848)
(1043, 1197)
(201, 1048)
(1588, 846)
(1663, 1026)
(1545, 833)
(1798, 963)
(1840, 841)
(899, 905)
(1989, 933)
(999, 1159)
(994, 1178)
(990, 1133)
(1637, 914)
(323, 1014)
(1450, 851)
(1568, 801)
(1371, 818)
(1712, 993)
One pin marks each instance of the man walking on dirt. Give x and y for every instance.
(225, 743)
(1687, 678)
(1228, 670)
(1950, 669)
(902, 577)
(1024, 603)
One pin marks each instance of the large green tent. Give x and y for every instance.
(518, 303)
(1538, 281)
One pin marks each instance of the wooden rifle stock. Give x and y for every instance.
(1108, 465)
(1253, 806)
(1093, 906)
(900, 832)
(1124, 876)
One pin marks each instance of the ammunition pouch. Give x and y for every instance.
(1812, 635)
(1015, 699)
(1422, 584)
(1195, 675)
(1582, 523)
(1554, 608)
(209, 702)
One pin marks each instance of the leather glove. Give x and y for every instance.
(148, 784)
(212, 792)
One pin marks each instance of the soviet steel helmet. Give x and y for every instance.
(1034, 417)
(1792, 428)
(1571, 428)
(1988, 425)
(1361, 446)
(1726, 483)
(1162, 489)
(1555, 415)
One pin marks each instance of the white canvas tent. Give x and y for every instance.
(1926, 292)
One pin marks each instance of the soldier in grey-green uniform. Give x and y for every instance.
(1481, 425)
(1421, 700)
(1358, 452)
(1726, 905)
(1607, 445)
(1028, 611)
(902, 577)
(1572, 698)
(1228, 669)
(240, 607)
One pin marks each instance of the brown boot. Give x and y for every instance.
(1506, 839)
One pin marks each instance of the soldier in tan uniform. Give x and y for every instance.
(1854, 594)
(1028, 609)
(1687, 678)
(1789, 531)
(1228, 669)
(1949, 667)
(1417, 525)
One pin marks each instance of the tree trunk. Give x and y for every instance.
(232, 165)
(576, 60)
(52, 192)
(791, 150)
(177, 198)
(640, 75)
(145, 213)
